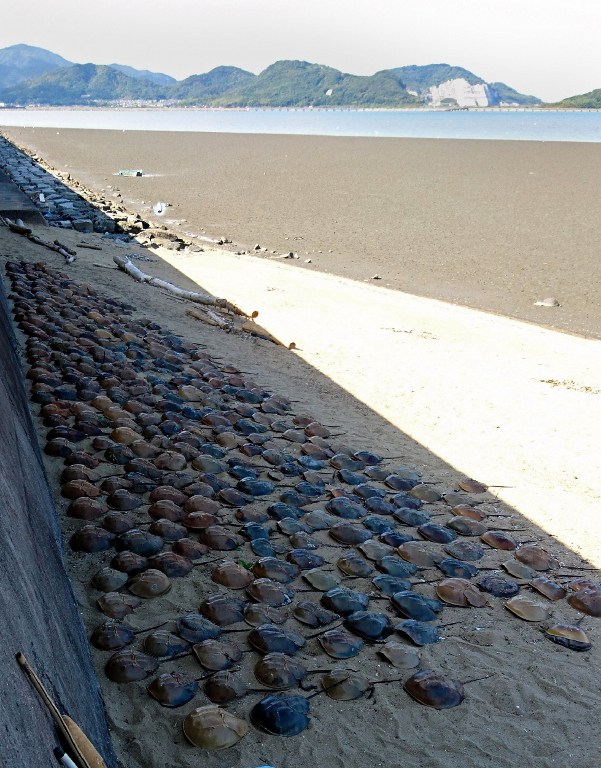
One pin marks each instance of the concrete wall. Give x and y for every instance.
(38, 613)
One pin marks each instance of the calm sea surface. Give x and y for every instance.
(518, 125)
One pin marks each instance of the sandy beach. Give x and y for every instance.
(494, 225)
(428, 379)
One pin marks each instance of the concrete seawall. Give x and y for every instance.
(38, 611)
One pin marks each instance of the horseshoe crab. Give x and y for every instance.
(527, 609)
(518, 570)
(116, 605)
(418, 553)
(215, 655)
(394, 566)
(108, 579)
(196, 628)
(269, 592)
(410, 516)
(569, 636)
(460, 592)
(340, 644)
(499, 540)
(400, 655)
(550, 589)
(345, 508)
(281, 715)
(414, 606)
(91, 538)
(465, 550)
(171, 564)
(344, 601)
(222, 610)
(276, 570)
(323, 581)
(129, 563)
(256, 614)
(139, 542)
(434, 689)
(587, 600)
(111, 635)
(149, 583)
(536, 557)
(418, 632)
(313, 614)
(465, 526)
(354, 565)
(173, 689)
(344, 684)
(347, 533)
(165, 644)
(436, 533)
(128, 666)
(267, 638)
(278, 671)
(219, 538)
(224, 686)
(232, 575)
(368, 625)
(388, 585)
(211, 727)
(498, 585)
(190, 549)
(375, 550)
(456, 569)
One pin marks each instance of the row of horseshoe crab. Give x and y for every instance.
(176, 465)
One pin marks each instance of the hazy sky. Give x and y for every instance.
(549, 48)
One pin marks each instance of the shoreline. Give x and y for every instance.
(495, 225)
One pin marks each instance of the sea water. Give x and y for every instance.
(522, 125)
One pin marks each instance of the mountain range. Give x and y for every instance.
(35, 76)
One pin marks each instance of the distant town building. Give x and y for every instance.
(461, 92)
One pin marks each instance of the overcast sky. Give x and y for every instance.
(548, 48)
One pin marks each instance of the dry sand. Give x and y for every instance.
(452, 392)
(494, 225)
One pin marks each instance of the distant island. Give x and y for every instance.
(31, 76)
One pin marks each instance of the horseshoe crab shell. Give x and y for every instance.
(344, 685)
(460, 592)
(340, 644)
(269, 592)
(256, 614)
(173, 689)
(587, 600)
(414, 606)
(569, 636)
(276, 570)
(278, 671)
(224, 686)
(527, 609)
(117, 606)
(91, 538)
(344, 601)
(232, 575)
(128, 666)
(434, 689)
(267, 638)
(323, 581)
(312, 614)
(215, 655)
(281, 715)
(222, 610)
(418, 632)
(149, 583)
(368, 625)
(536, 557)
(498, 585)
(111, 635)
(109, 579)
(165, 644)
(211, 727)
(400, 655)
(550, 589)
(499, 540)
(196, 628)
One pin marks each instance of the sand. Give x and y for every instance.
(495, 225)
(452, 392)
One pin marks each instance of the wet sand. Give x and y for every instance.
(494, 225)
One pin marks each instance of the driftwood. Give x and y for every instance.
(90, 246)
(209, 317)
(199, 298)
(257, 330)
(20, 229)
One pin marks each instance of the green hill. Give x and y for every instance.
(159, 78)
(203, 89)
(301, 84)
(81, 84)
(590, 100)
(421, 78)
(22, 62)
(510, 96)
